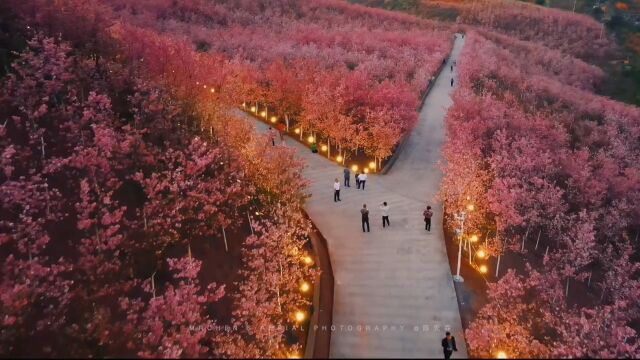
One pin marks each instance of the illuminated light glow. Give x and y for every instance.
(293, 356)
(307, 260)
(470, 207)
(468, 198)
(483, 269)
(310, 139)
(501, 355)
(300, 316)
(212, 90)
(339, 158)
(372, 165)
(253, 109)
(354, 168)
(244, 104)
(263, 113)
(204, 86)
(274, 119)
(297, 131)
(305, 287)
(481, 254)
(474, 238)
(366, 171)
(324, 148)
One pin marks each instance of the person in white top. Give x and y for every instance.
(336, 193)
(362, 178)
(384, 208)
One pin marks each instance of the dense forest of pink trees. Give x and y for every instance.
(355, 83)
(543, 158)
(573, 34)
(110, 177)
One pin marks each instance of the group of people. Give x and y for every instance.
(361, 179)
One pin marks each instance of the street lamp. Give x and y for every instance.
(460, 231)
(481, 254)
(310, 139)
(263, 114)
(300, 316)
(501, 355)
(253, 109)
(366, 171)
(339, 158)
(307, 260)
(372, 165)
(483, 269)
(324, 148)
(304, 287)
(274, 119)
(297, 131)
(354, 168)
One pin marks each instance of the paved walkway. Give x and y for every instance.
(397, 278)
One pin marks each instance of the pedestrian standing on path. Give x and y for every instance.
(358, 180)
(384, 208)
(451, 68)
(347, 177)
(451, 82)
(427, 218)
(448, 345)
(365, 217)
(336, 192)
(363, 179)
(272, 136)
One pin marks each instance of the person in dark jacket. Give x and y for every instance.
(365, 217)
(448, 345)
(347, 177)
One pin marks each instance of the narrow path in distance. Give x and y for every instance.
(394, 293)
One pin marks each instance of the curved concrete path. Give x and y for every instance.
(394, 293)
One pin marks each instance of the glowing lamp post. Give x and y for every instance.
(354, 168)
(297, 131)
(274, 119)
(304, 287)
(307, 260)
(324, 148)
(263, 114)
(460, 231)
(310, 139)
(212, 90)
(501, 355)
(366, 170)
(300, 316)
(470, 207)
(372, 165)
(253, 109)
(339, 158)
(483, 269)
(481, 254)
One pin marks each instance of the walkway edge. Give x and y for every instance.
(403, 141)
(319, 336)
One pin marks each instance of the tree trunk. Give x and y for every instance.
(524, 238)
(498, 266)
(546, 252)
(224, 235)
(328, 148)
(538, 240)
(250, 225)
